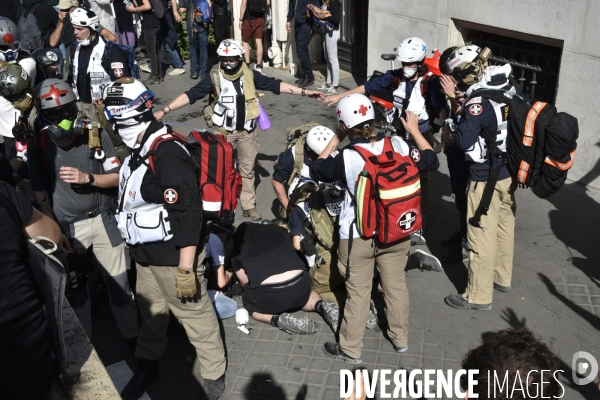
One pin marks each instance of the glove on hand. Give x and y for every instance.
(186, 283)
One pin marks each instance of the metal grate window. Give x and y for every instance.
(534, 65)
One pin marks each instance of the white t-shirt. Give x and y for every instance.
(8, 114)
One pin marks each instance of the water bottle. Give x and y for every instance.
(263, 119)
(126, 2)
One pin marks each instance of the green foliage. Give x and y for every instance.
(184, 40)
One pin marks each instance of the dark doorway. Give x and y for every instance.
(352, 47)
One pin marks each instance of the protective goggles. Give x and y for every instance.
(68, 111)
(137, 104)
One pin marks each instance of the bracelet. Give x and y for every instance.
(303, 92)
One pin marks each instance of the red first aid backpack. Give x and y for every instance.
(387, 195)
(220, 182)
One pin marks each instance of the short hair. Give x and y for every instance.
(508, 352)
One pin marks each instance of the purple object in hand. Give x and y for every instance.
(263, 119)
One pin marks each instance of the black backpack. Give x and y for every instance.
(541, 143)
(257, 7)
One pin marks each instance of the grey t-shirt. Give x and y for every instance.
(67, 199)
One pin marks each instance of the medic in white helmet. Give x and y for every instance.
(91, 70)
(416, 90)
(234, 109)
(356, 119)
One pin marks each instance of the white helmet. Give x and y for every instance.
(126, 98)
(228, 51)
(318, 138)
(87, 18)
(467, 62)
(354, 110)
(10, 37)
(129, 103)
(411, 50)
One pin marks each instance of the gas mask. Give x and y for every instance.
(9, 54)
(230, 65)
(67, 129)
(409, 72)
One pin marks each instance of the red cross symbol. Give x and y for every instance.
(171, 196)
(226, 51)
(115, 160)
(55, 93)
(363, 110)
(8, 38)
(339, 112)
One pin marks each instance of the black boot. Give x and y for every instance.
(147, 373)
(307, 81)
(297, 81)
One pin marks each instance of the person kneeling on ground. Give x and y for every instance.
(217, 277)
(275, 279)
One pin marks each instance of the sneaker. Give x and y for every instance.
(145, 68)
(331, 314)
(146, 374)
(324, 86)
(457, 301)
(425, 261)
(502, 289)
(297, 326)
(214, 388)
(456, 255)
(417, 239)
(333, 350)
(177, 71)
(253, 214)
(453, 239)
(332, 90)
(402, 349)
(372, 320)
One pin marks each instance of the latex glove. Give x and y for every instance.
(186, 283)
(241, 316)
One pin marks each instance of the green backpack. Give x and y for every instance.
(325, 206)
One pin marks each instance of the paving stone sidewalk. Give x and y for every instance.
(556, 289)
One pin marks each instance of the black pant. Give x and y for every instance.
(153, 43)
(303, 37)
(221, 27)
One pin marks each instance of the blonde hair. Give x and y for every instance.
(365, 133)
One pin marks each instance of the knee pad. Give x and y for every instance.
(118, 289)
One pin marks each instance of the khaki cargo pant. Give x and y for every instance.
(102, 235)
(491, 247)
(247, 147)
(156, 295)
(328, 281)
(390, 261)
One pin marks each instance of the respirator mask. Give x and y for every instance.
(230, 64)
(67, 129)
(9, 53)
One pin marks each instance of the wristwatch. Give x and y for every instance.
(91, 178)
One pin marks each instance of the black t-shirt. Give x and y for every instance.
(25, 344)
(263, 251)
(175, 170)
(284, 165)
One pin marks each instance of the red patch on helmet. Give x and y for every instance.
(149, 103)
(8, 38)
